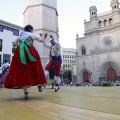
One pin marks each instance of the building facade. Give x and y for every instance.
(98, 52)
(8, 33)
(68, 57)
(68, 61)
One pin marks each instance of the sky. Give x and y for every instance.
(72, 14)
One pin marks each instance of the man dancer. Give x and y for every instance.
(55, 59)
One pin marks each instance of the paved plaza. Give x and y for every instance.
(71, 103)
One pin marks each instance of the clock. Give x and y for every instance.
(107, 42)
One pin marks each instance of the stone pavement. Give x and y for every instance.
(71, 103)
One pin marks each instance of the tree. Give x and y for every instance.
(67, 74)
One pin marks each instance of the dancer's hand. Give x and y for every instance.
(14, 44)
(51, 36)
(41, 34)
(45, 35)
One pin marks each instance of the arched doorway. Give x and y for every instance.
(85, 77)
(111, 74)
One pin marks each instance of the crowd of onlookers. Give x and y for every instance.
(99, 83)
(67, 82)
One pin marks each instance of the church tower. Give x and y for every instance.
(43, 16)
(115, 11)
(115, 4)
(93, 12)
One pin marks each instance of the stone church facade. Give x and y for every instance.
(98, 52)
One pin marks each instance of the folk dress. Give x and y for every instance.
(26, 68)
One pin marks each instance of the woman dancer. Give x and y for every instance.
(26, 69)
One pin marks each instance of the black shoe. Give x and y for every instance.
(57, 88)
(26, 96)
(52, 86)
(41, 88)
(1, 86)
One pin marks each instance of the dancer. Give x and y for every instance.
(26, 69)
(5, 66)
(5, 71)
(55, 59)
(3, 77)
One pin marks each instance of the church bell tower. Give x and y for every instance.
(43, 16)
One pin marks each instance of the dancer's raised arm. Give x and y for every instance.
(45, 43)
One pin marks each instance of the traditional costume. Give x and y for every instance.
(26, 68)
(55, 60)
(3, 77)
(5, 71)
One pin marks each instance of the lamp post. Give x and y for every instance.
(62, 73)
(90, 73)
(84, 64)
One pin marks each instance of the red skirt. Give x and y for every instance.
(21, 75)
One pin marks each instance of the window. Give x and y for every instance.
(110, 21)
(0, 60)
(10, 29)
(83, 50)
(0, 45)
(100, 24)
(6, 28)
(68, 65)
(15, 31)
(105, 23)
(107, 42)
(1, 28)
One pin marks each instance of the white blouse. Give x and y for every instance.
(25, 35)
(51, 47)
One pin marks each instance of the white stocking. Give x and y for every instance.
(58, 80)
(25, 89)
(46, 72)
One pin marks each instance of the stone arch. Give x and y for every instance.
(100, 24)
(109, 64)
(84, 75)
(105, 23)
(83, 50)
(110, 21)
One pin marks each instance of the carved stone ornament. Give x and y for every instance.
(111, 49)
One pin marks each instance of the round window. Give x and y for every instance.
(107, 42)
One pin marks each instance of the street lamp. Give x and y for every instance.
(90, 73)
(62, 73)
(84, 64)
